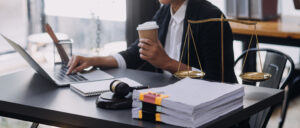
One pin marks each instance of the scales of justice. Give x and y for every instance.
(246, 76)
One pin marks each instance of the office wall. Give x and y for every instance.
(287, 8)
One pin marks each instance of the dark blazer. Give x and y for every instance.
(207, 37)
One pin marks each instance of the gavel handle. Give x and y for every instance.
(139, 87)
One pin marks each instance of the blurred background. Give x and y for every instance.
(95, 27)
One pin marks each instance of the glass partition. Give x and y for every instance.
(92, 24)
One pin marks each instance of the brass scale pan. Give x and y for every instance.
(255, 76)
(248, 76)
(191, 74)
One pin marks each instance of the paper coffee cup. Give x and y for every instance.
(148, 30)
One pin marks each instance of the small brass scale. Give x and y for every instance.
(246, 76)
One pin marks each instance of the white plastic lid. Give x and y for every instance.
(148, 26)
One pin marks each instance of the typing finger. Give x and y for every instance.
(70, 61)
(73, 65)
(79, 68)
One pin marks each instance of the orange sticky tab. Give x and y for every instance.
(142, 95)
(157, 117)
(140, 114)
(152, 98)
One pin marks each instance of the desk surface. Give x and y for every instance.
(286, 27)
(27, 96)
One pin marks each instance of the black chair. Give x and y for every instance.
(296, 83)
(275, 63)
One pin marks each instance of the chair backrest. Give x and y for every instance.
(275, 62)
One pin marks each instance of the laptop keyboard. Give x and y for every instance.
(61, 75)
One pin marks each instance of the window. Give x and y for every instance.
(90, 23)
(112, 10)
(13, 23)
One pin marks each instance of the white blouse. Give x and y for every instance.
(173, 39)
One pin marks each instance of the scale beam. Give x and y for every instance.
(250, 76)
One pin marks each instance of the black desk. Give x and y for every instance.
(27, 96)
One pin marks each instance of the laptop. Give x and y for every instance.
(57, 74)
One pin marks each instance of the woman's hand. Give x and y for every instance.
(154, 53)
(78, 63)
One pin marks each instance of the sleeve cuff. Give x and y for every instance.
(120, 60)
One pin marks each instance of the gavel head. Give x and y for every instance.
(119, 88)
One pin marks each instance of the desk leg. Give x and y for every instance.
(34, 125)
(250, 65)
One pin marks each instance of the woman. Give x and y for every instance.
(164, 55)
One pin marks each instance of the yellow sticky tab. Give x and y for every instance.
(159, 99)
(157, 117)
(140, 114)
(141, 97)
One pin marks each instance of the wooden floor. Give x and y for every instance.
(13, 123)
(293, 115)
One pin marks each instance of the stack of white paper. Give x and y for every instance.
(191, 102)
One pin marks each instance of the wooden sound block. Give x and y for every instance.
(108, 100)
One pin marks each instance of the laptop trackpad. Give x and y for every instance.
(96, 75)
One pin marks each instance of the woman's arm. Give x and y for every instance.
(107, 61)
(173, 65)
(78, 63)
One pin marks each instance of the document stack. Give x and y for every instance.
(187, 103)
